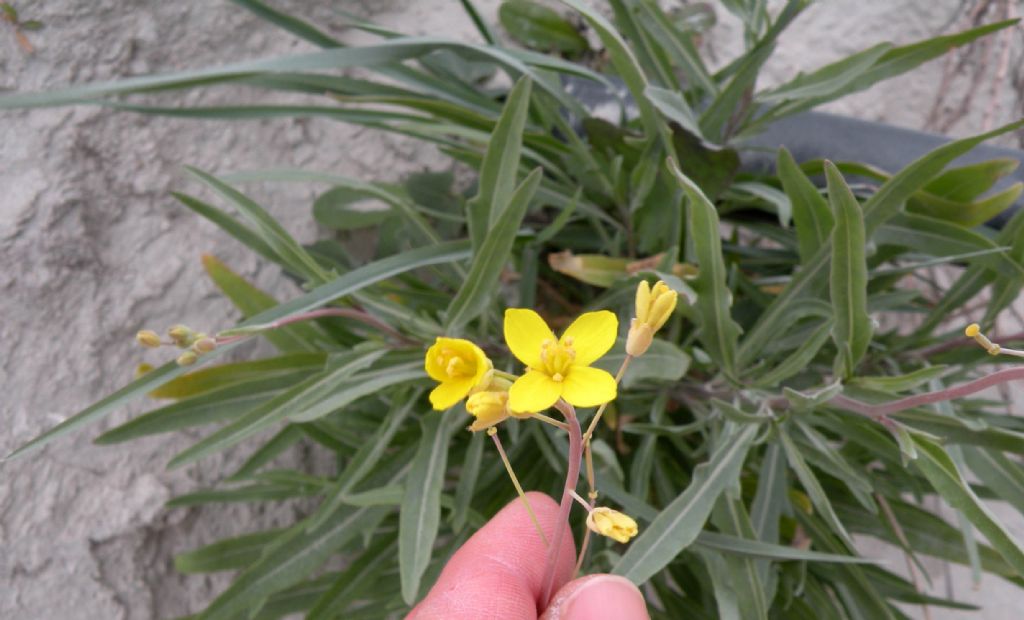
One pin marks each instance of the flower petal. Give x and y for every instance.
(432, 361)
(593, 334)
(450, 392)
(533, 392)
(588, 387)
(524, 333)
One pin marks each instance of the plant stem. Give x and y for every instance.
(493, 432)
(571, 476)
(349, 313)
(881, 411)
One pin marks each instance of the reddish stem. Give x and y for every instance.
(571, 478)
(882, 410)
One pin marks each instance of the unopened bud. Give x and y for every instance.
(142, 369)
(639, 338)
(148, 338)
(205, 344)
(187, 358)
(181, 335)
(612, 523)
(489, 408)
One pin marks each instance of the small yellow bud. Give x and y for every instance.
(142, 369)
(181, 335)
(148, 338)
(654, 306)
(612, 523)
(489, 409)
(187, 358)
(204, 344)
(972, 330)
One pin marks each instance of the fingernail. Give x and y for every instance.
(608, 597)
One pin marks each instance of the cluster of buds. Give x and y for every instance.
(181, 336)
(654, 306)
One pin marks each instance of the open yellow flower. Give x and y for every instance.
(560, 368)
(460, 366)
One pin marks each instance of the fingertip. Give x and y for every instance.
(598, 597)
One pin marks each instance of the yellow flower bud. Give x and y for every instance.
(181, 335)
(187, 358)
(612, 523)
(489, 409)
(204, 344)
(654, 306)
(148, 338)
(142, 369)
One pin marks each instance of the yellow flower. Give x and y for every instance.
(612, 523)
(653, 308)
(460, 366)
(560, 368)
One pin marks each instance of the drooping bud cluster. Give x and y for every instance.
(183, 337)
(654, 306)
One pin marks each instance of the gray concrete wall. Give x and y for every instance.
(92, 248)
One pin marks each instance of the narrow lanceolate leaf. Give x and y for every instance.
(848, 284)
(810, 483)
(678, 525)
(748, 575)
(421, 507)
(799, 359)
(941, 472)
(481, 282)
(718, 330)
(998, 473)
(880, 208)
(770, 498)
(500, 164)
(812, 217)
(227, 554)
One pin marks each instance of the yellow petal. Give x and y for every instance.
(593, 334)
(533, 392)
(450, 392)
(525, 331)
(588, 387)
(643, 300)
(432, 362)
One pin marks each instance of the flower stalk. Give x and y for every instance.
(571, 476)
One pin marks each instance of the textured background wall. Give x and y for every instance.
(93, 248)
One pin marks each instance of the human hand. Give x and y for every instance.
(497, 574)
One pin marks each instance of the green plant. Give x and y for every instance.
(771, 421)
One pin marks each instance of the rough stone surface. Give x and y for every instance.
(93, 248)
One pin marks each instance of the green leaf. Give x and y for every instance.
(218, 377)
(881, 207)
(269, 230)
(274, 447)
(468, 477)
(478, 289)
(827, 80)
(347, 284)
(997, 472)
(353, 580)
(800, 358)
(965, 183)
(290, 23)
(814, 490)
(538, 27)
(812, 217)
(497, 176)
(943, 475)
(228, 554)
(339, 208)
(969, 214)
(758, 549)
(421, 508)
(746, 575)
(849, 276)
(678, 525)
(672, 105)
(901, 383)
(718, 330)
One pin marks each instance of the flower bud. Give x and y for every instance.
(142, 369)
(187, 358)
(204, 344)
(654, 306)
(181, 335)
(612, 523)
(148, 338)
(489, 408)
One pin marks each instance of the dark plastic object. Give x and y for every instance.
(816, 135)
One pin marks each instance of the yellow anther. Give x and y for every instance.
(557, 377)
(567, 341)
(972, 330)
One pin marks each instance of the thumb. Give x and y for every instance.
(598, 597)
